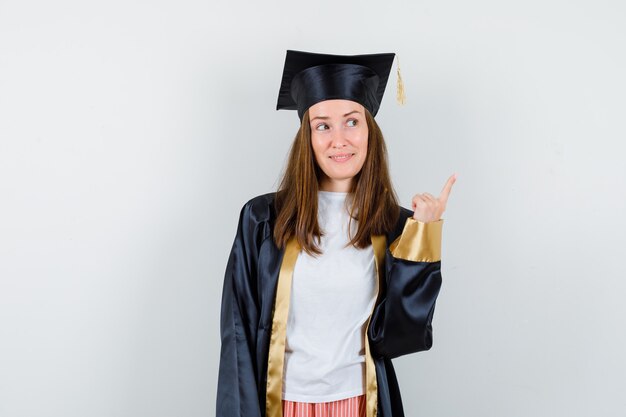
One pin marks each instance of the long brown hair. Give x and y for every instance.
(374, 201)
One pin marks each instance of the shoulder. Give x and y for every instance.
(260, 204)
(259, 209)
(405, 212)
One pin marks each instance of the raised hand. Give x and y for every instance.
(428, 208)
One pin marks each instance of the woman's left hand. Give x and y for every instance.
(428, 208)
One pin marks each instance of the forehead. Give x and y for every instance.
(334, 108)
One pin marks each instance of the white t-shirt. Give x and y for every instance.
(332, 296)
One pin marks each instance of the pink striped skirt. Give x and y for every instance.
(348, 407)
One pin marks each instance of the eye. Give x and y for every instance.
(321, 126)
(352, 122)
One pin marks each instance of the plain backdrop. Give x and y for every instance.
(131, 133)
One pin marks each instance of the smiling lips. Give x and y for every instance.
(341, 157)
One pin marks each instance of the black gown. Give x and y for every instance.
(409, 274)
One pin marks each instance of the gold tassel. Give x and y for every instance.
(400, 96)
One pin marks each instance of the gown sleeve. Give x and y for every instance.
(237, 393)
(401, 321)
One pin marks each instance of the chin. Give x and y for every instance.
(342, 177)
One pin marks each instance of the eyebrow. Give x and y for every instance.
(326, 117)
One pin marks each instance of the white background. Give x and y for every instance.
(131, 133)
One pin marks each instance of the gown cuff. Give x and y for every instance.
(419, 242)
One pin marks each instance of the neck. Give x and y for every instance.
(337, 186)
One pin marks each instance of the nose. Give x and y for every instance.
(338, 140)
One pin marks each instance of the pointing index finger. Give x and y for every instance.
(445, 192)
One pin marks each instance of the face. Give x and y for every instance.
(339, 139)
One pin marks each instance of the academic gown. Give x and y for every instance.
(255, 300)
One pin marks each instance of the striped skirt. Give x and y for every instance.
(348, 407)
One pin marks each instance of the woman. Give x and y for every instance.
(328, 278)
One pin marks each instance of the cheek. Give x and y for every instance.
(320, 143)
(364, 143)
(360, 141)
(319, 146)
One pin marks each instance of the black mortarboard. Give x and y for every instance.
(309, 78)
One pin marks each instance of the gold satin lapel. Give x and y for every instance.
(273, 403)
(379, 244)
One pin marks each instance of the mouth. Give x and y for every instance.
(341, 157)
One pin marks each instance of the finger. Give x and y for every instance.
(414, 201)
(437, 206)
(431, 200)
(445, 192)
(418, 199)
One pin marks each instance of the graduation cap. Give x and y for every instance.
(309, 78)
